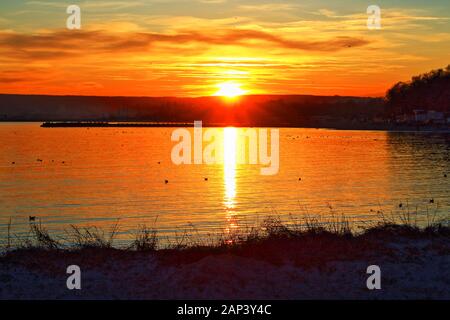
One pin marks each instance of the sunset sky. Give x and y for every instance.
(193, 47)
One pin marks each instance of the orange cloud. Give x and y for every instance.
(60, 44)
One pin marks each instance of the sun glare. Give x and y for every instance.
(229, 90)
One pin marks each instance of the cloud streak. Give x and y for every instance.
(52, 44)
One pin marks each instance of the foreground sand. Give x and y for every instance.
(311, 267)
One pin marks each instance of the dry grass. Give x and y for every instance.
(43, 238)
(271, 230)
(146, 239)
(92, 237)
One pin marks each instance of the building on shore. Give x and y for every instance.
(429, 116)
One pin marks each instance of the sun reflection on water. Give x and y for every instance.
(229, 174)
(229, 166)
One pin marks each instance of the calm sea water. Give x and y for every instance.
(101, 176)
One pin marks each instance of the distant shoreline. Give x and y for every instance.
(362, 127)
(353, 127)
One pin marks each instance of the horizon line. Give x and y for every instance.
(188, 97)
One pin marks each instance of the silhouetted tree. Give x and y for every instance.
(429, 91)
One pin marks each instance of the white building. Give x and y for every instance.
(429, 116)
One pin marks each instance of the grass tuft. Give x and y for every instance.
(43, 238)
(92, 237)
(146, 239)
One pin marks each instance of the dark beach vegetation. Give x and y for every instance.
(332, 239)
(307, 259)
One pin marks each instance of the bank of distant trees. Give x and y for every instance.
(428, 91)
(249, 110)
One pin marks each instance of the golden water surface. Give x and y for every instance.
(98, 176)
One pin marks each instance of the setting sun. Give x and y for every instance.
(229, 90)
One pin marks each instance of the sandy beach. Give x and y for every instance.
(323, 266)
